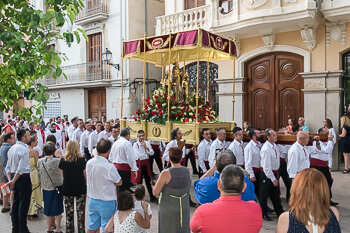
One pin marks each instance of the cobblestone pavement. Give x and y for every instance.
(341, 194)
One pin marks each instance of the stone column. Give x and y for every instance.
(225, 100)
(322, 95)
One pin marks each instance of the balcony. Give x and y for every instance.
(243, 17)
(185, 20)
(82, 75)
(336, 10)
(94, 10)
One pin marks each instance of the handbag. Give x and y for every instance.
(59, 189)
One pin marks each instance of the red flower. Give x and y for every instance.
(160, 110)
(143, 117)
(186, 120)
(147, 102)
(169, 115)
(177, 114)
(199, 121)
(160, 114)
(193, 116)
(181, 105)
(146, 111)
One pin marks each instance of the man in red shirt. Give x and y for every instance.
(228, 213)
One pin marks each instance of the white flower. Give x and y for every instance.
(190, 120)
(191, 114)
(164, 104)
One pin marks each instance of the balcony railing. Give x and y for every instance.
(185, 20)
(94, 10)
(81, 73)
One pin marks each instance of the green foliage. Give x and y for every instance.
(26, 51)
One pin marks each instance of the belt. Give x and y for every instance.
(180, 199)
(318, 163)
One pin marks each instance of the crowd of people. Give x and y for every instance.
(50, 166)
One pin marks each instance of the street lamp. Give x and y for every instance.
(107, 57)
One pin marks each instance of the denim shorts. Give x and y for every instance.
(100, 212)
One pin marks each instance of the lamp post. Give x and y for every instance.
(107, 57)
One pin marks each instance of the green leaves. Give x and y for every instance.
(28, 56)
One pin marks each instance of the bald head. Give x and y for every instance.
(303, 138)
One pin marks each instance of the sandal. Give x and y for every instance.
(346, 171)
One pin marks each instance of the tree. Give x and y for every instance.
(26, 51)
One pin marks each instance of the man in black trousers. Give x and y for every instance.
(18, 173)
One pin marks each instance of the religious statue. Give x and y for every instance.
(179, 83)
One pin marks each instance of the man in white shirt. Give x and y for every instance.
(115, 134)
(298, 154)
(56, 133)
(217, 145)
(124, 159)
(322, 159)
(175, 135)
(106, 133)
(41, 136)
(203, 150)
(84, 141)
(101, 179)
(157, 147)
(93, 137)
(268, 176)
(252, 158)
(73, 127)
(79, 131)
(143, 150)
(237, 146)
(60, 126)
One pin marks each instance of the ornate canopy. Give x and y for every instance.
(181, 46)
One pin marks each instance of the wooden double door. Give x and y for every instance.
(273, 90)
(97, 103)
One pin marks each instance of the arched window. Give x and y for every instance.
(191, 69)
(346, 82)
(225, 6)
(194, 3)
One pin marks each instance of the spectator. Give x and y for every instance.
(289, 127)
(310, 209)
(327, 123)
(126, 219)
(74, 185)
(51, 177)
(301, 123)
(9, 140)
(206, 189)
(58, 153)
(36, 201)
(229, 213)
(174, 205)
(102, 178)
(140, 194)
(18, 174)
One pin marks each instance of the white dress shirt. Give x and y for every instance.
(140, 152)
(92, 141)
(123, 153)
(84, 141)
(18, 159)
(283, 149)
(238, 150)
(298, 158)
(101, 177)
(269, 160)
(77, 134)
(70, 131)
(58, 136)
(216, 146)
(325, 154)
(252, 157)
(332, 131)
(112, 139)
(172, 143)
(203, 151)
(104, 135)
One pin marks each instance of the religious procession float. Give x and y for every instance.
(173, 104)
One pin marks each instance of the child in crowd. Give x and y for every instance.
(140, 194)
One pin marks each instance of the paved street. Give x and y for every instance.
(341, 193)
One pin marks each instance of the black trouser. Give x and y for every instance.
(267, 189)
(126, 183)
(87, 154)
(327, 174)
(192, 160)
(257, 185)
(144, 174)
(285, 177)
(21, 201)
(158, 158)
(200, 171)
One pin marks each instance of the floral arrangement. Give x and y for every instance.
(156, 109)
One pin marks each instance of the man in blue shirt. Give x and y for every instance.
(206, 190)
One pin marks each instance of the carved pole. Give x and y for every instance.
(169, 74)
(199, 40)
(144, 71)
(121, 99)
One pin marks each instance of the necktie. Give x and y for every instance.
(305, 153)
(275, 151)
(242, 147)
(258, 146)
(222, 145)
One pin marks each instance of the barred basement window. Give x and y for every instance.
(53, 109)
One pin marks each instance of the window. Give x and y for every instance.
(191, 69)
(226, 6)
(53, 109)
(346, 82)
(194, 3)
(95, 47)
